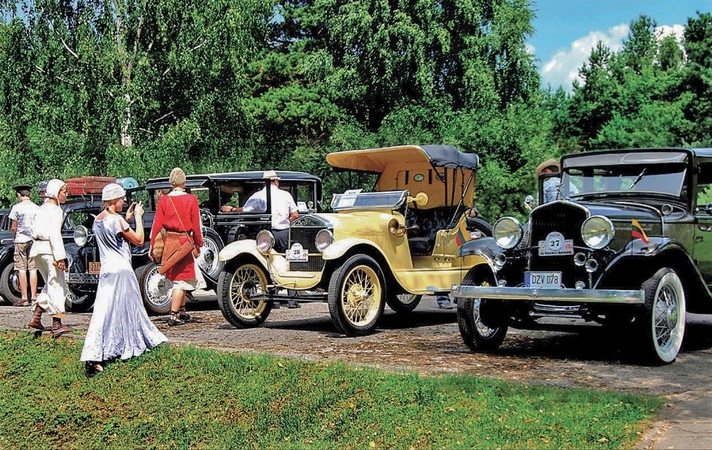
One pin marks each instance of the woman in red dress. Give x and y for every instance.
(178, 212)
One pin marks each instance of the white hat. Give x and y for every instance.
(53, 187)
(270, 175)
(112, 191)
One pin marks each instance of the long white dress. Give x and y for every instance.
(120, 326)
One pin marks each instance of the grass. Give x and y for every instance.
(185, 397)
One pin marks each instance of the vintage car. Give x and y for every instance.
(215, 191)
(624, 245)
(82, 277)
(392, 245)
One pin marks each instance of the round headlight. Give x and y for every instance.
(81, 235)
(597, 232)
(507, 232)
(324, 238)
(265, 241)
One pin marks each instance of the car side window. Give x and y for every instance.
(704, 186)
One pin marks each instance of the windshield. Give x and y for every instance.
(665, 179)
(355, 199)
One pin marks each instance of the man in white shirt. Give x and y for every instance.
(22, 216)
(284, 209)
(51, 259)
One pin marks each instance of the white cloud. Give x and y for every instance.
(562, 69)
(675, 30)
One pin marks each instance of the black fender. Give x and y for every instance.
(639, 261)
(488, 249)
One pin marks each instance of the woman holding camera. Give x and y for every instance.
(120, 326)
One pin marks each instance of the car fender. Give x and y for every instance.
(7, 253)
(485, 247)
(340, 247)
(638, 261)
(242, 247)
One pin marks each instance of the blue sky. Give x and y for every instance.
(567, 30)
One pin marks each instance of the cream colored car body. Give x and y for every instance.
(389, 246)
(415, 274)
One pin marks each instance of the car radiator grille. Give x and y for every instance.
(306, 236)
(567, 220)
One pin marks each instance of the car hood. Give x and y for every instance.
(350, 224)
(623, 211)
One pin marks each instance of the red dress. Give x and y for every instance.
(184, 214)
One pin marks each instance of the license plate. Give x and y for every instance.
(94, 267)
(550, 280)
(297, 253)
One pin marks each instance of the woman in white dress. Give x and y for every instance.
(120, 326)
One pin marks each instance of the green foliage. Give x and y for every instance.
(194, 398)
(134, 88)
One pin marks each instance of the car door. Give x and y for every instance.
(702, 251)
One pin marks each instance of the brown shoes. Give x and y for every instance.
(36, 321)
(58, 328)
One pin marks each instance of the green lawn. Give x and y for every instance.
(185, 397)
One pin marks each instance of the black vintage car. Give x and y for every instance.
(220, 228)
(628, 243)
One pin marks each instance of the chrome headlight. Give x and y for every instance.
(597, 232)
(265, 241)
(324, 238)
(81, 235)
(507, 232)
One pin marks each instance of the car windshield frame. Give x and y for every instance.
(668, 179)
(358, 200)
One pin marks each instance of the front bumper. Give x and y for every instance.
(603, 296)
(83, 278)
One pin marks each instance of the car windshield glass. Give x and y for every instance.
(666, 179)
(368, 200)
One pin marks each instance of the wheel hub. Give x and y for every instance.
(355, 296)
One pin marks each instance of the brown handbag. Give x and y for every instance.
(177, 245)
(158, 246)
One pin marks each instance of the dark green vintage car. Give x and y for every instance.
(627, 243)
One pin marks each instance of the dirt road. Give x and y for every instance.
(428, 341)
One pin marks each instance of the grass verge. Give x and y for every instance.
(185, 397)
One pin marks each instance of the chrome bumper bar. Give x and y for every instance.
(612, 296)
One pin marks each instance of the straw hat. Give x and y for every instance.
(552, 163)
(270, 175)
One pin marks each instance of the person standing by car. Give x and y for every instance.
(51, 259)
(552, 183)
(284, 210)
(178, 212)
(22, 216)
(120, 326)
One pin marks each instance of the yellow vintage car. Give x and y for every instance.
(391, 245)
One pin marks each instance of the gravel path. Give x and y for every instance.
(428, 341)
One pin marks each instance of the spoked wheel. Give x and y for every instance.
(475, 334)
(241, 295)
(480, 336)
(208, 259)
(78, 302)
(156, 289)
(356, 296)
(663, 324)
(10, 284)
(404, 303)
